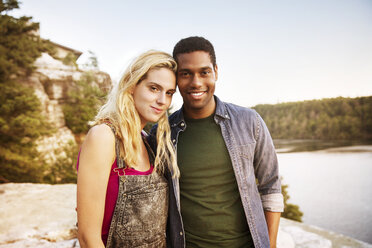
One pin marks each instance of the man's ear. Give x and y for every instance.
(216, 71)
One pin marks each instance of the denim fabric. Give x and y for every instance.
(253, 157)
(141, 210)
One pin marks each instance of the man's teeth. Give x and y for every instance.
(197, 94)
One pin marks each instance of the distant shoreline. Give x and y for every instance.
(306, 145)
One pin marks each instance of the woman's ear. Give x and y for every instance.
(131, 91)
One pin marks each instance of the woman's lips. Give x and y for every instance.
(157, 110)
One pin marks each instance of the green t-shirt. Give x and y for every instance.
(211, 207)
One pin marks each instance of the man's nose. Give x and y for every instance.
(196, 81)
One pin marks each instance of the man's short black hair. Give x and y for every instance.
(192, 44)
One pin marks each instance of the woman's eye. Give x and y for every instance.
(153, 88)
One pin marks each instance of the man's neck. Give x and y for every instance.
(201, 113)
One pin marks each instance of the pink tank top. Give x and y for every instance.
(112, 194)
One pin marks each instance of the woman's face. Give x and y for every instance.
(153, 95)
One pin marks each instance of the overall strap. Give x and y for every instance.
(119, 160)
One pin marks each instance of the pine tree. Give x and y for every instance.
(291, 211)
(20, 120)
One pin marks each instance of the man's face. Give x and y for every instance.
(196, 78)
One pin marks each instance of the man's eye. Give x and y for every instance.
(205, 72)
(153, 88)
(184, 74)
(170, 93)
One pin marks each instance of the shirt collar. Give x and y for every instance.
(178, 118)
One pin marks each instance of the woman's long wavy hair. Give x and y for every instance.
(120, 111)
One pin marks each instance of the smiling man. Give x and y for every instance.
(229, 192)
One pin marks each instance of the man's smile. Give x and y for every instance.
(197, 94)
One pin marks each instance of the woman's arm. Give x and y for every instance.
(96, 157)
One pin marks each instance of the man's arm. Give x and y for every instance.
(272, 221)
(269, 186)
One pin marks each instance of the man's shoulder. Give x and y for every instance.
(239, 111)
(239, 115)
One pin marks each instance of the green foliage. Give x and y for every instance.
(333, 119)
(291, 211)
(70, 59)
(82, 104)
(21, 122)
(8, 5)
(18, 46)
(20, 125)
(64, 169)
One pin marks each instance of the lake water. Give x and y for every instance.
(333, 187)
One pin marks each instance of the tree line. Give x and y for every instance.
(326, 119)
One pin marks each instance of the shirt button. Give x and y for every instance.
(226, 116)
(182, 124)
(181, 233)
(174, 141)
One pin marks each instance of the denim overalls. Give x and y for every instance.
(141, 210)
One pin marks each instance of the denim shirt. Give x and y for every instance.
(253, 156)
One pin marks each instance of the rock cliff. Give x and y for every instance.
(52, 80)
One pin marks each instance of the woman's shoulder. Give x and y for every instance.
(101, 134)
(103, 127)
(99, 144)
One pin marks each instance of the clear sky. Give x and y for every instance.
(267, 51)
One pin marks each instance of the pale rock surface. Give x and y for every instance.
(51, 82)
(59, 139)
(44, 216)
(55, 69)
(37, 215)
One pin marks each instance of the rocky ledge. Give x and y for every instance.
(44, 216)
(52, 80)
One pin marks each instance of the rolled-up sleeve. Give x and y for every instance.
(267, 170)
(273, 202)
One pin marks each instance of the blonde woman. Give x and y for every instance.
(122, 195)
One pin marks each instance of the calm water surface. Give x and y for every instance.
(333, 188)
